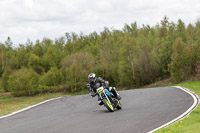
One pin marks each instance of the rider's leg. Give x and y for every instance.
(100, 102)
(115, 93)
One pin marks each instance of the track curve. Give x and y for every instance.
(142, 111)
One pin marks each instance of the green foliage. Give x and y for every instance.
(128, 53)
(5, 78)
(52, 57)
(76, 68)
(9, 43)
(38, 49)
(181, 30)
(7, 57)
(22, 56)
(182, 64)
(164, 28)
(73, 77)
(53, 77)
(2, 58)
(24, 82)
(35, 63)
(133, 56)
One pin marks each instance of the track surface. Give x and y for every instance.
(143, 110)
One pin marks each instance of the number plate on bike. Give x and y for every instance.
(100, 90)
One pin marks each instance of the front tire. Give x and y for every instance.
(108, 105)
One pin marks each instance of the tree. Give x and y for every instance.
(35, 63)
(52, 57)
(2, 58)
(74, 78)
(197, 33)
(7, 58)
(164, 27)
(181, 65)
(181, 30)
(5, 78)
(126, 67)
(76, 68)
(9, 43)
(191, 33)
(38, 49)
(22, 56)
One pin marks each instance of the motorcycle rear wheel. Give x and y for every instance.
(119, 106)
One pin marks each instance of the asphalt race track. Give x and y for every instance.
(143, 110)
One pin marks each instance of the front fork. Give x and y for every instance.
(110, 100)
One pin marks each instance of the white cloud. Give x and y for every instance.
(35, 19)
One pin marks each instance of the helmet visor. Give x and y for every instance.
(91, 79)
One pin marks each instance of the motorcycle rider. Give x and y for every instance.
(95, 83)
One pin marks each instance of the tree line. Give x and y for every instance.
(131, 57)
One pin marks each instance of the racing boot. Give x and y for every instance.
(115, 93)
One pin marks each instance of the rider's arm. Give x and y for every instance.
(103, 82)
(91, 91)
(100, 80)
(89, 88)
(107, 84)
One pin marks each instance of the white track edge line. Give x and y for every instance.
(196, 101)
(27, 108)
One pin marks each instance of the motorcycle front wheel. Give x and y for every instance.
(108, 105)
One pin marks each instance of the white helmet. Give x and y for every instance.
(92, 77)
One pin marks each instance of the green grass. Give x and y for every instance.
(9, 104)
(82, 92)
(191, 123)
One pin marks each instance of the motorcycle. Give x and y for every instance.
(108, 99)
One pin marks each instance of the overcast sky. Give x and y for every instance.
(36, 19)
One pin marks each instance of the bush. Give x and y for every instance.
(24, 82)
(53, 77)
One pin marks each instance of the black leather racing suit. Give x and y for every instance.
(94, 85)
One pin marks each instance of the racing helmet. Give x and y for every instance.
(92, 77)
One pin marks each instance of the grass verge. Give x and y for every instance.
(191, 123)
(9, 104)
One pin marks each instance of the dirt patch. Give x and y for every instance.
(164, 82)
(5, 94)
